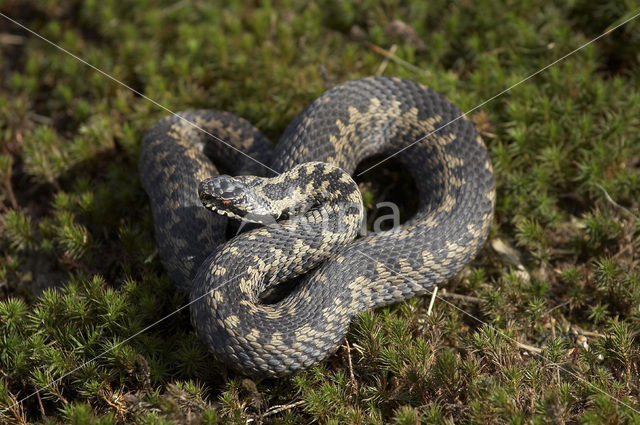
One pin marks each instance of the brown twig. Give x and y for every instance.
(274, 410)
(393, 57)
(13, 39)
(385, 61)
(528, 347)
(10, 194)
(354, 383)
(467, 298)
(44, 415)
(557, 306)
(581, 331)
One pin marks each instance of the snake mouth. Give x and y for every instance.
(226, 213)
(228, 209)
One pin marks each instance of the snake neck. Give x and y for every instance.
(293, 194)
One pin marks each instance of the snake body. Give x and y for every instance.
(337, 277)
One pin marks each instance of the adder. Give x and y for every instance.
(308, 210)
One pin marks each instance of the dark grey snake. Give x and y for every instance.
(309, 213)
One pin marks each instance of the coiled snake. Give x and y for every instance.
(345, 125)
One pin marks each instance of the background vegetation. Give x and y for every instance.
(559, 276)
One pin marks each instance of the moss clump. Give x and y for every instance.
(541, 328)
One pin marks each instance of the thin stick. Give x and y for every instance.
(611, 201)
(281, 408)
(433, 300)
(584, 332)
(393, 57)
(557, 306)
(467, 298)
(529, 347)
(44, 415)
(13, 39)
(385, 61)
(354, 383)
(12, 197)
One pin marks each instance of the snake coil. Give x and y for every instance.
(344, 126)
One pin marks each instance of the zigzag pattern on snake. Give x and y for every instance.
(316, 154)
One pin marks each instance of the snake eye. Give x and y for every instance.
(226, 203)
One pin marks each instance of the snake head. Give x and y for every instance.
(235, 197)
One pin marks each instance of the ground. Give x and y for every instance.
(541, 328)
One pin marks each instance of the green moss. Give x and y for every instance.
(79, 271)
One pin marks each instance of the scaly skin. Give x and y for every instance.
(347, 124)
